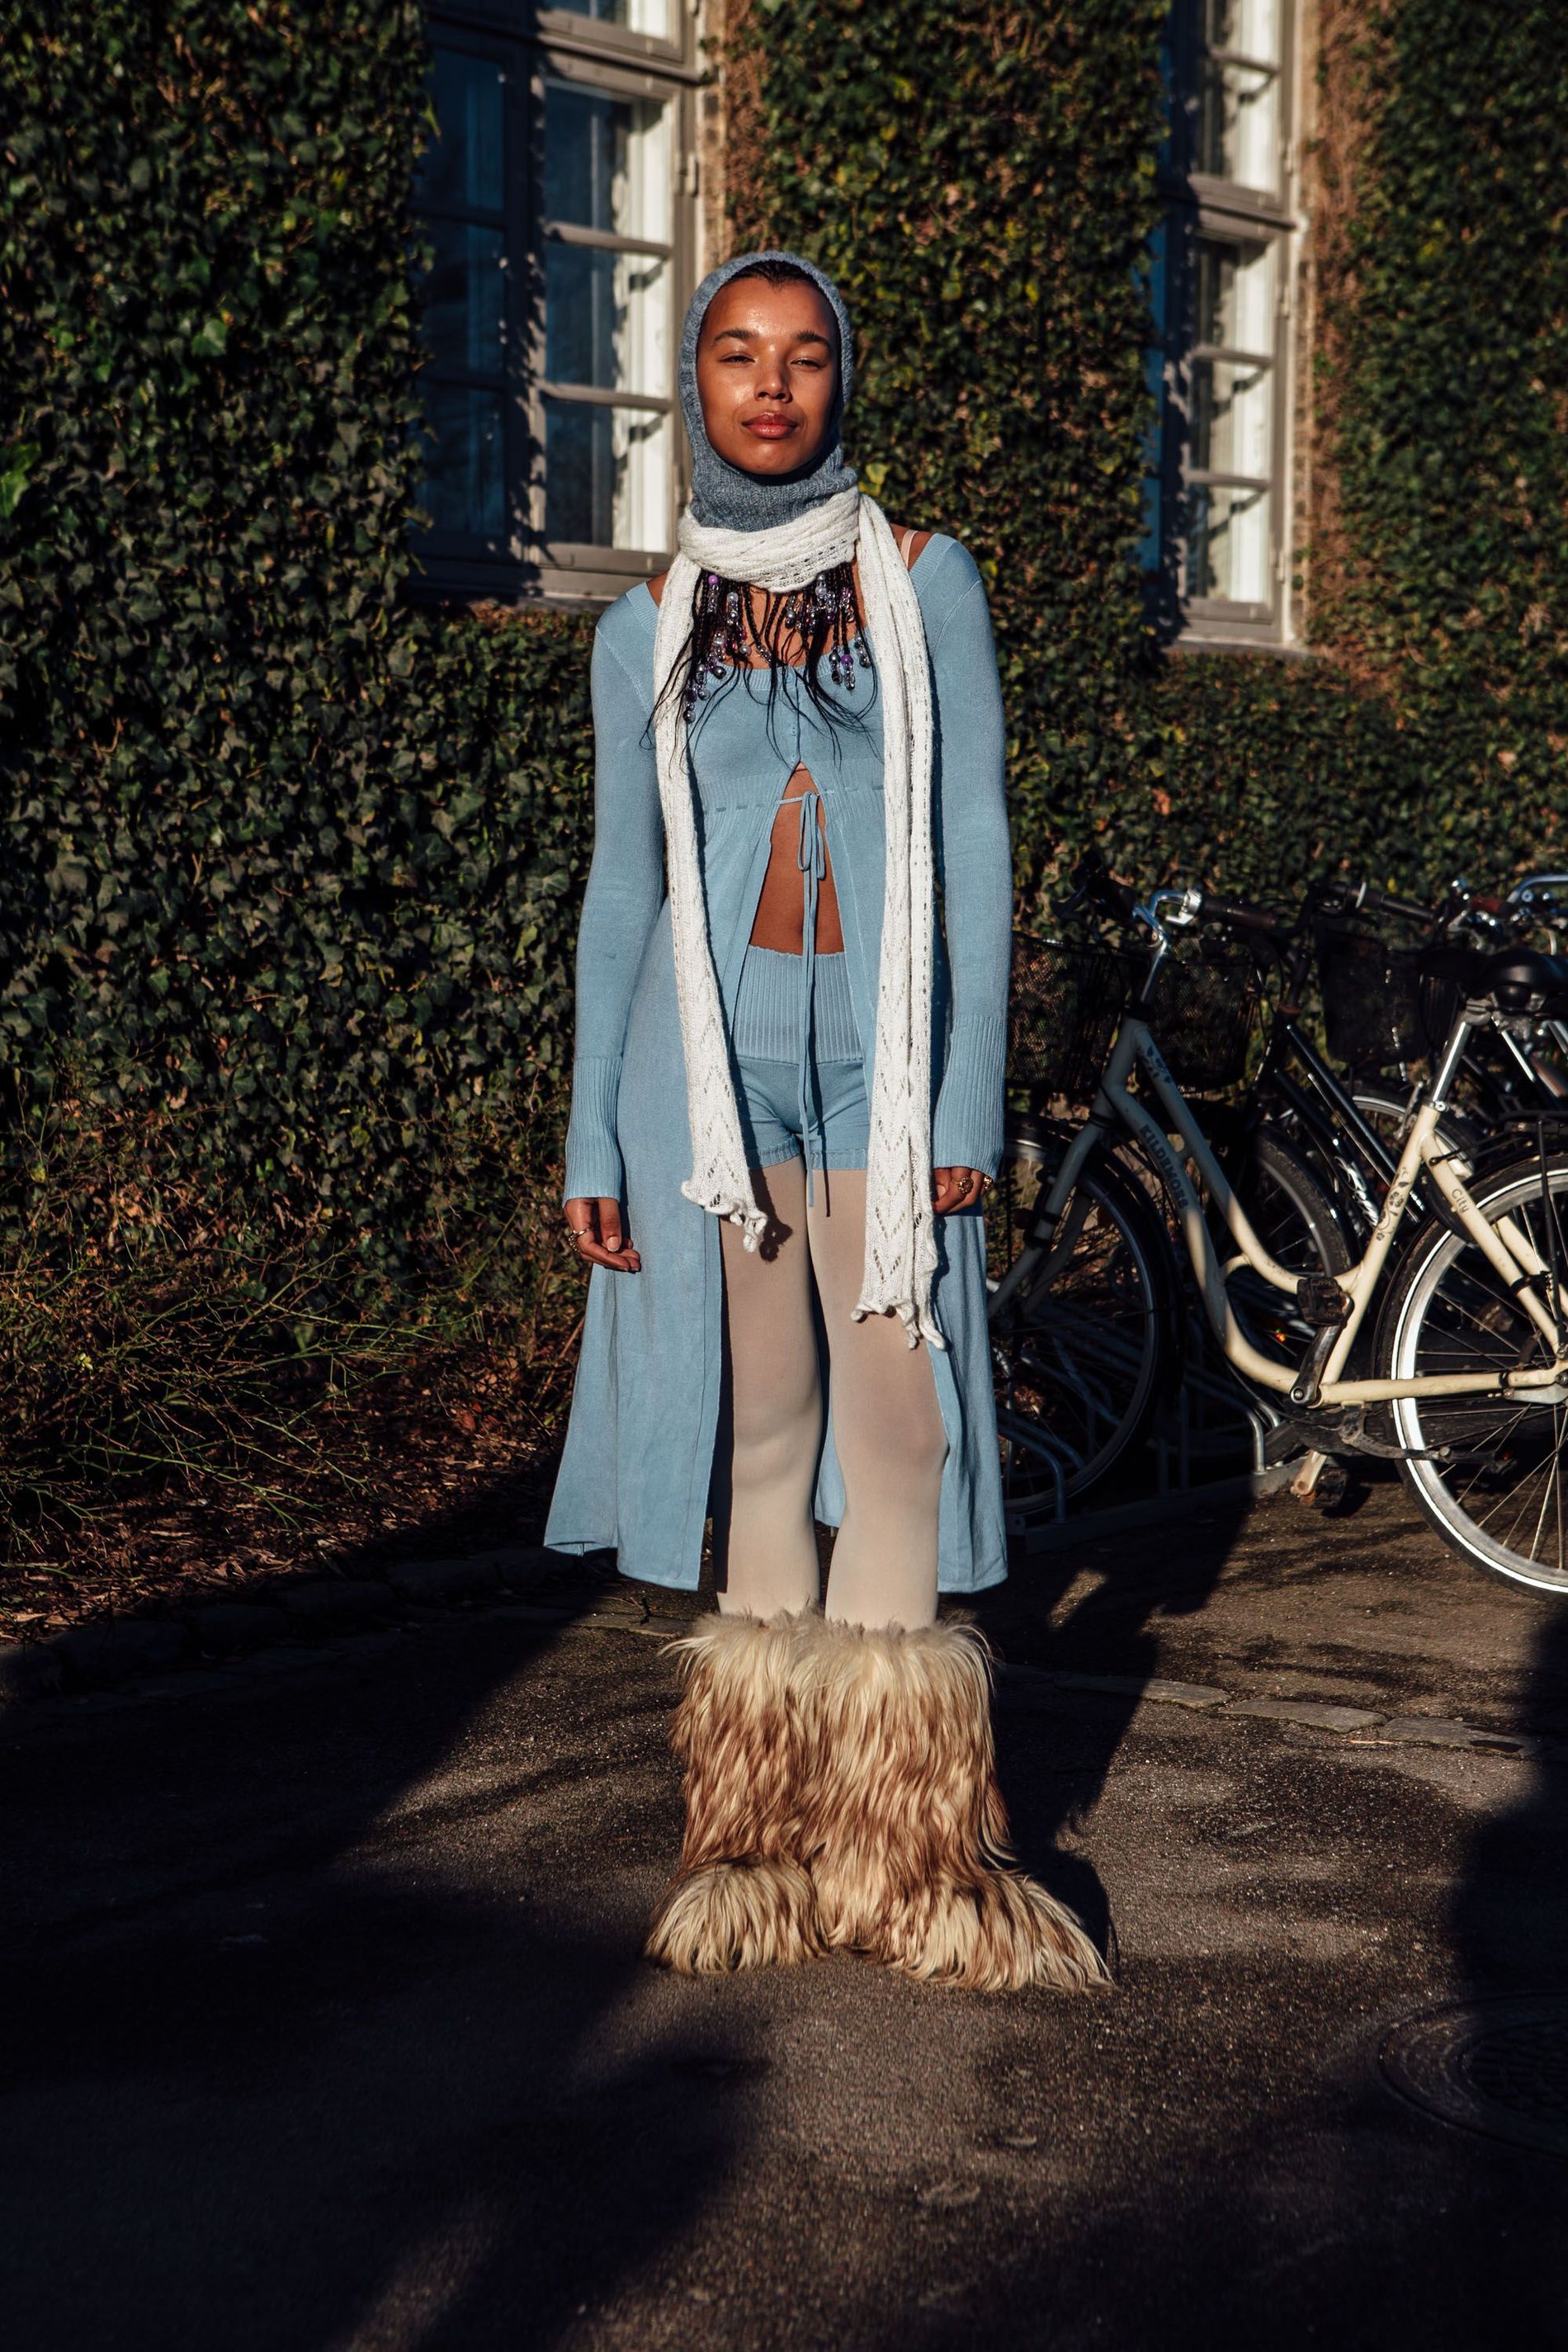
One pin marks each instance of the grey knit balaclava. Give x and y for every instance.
(723, 497)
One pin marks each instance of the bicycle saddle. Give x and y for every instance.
(1522, 980)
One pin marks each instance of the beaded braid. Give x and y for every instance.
(722, 637)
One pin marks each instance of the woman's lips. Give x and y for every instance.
(769, 429)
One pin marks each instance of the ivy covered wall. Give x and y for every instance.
(285, 861)
(980, 181)
(1442, 537)
(295, 865)
(982, 177)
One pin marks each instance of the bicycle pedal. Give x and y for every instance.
(1322, 1302)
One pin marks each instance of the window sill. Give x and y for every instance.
(579, 577)
(1210, 640)
(582, 587)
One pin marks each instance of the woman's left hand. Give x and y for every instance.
(955, 1188)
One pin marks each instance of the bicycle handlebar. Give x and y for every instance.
(1385, 902)
(1360, 899)
(1094, 881)
(1241, 915)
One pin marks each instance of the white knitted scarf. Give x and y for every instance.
(900, 1242)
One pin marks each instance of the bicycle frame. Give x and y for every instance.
(1322, 1102)
(1506, 1247)
(1328, 1113)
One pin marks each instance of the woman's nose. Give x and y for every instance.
(772, 376)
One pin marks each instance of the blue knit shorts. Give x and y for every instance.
(832, 1126)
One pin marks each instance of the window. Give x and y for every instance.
(1218, 554)
(559, 198)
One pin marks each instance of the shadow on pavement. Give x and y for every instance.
(1109, 1633)
(1510, 1907)
(1269, 2186)
(281, 2071)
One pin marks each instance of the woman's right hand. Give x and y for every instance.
(598, 1237)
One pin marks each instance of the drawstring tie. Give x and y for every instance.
(812, 856)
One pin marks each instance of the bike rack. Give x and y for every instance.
(1211, 1416)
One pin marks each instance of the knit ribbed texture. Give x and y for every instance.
(967, 1129)
(900, 1242)
(594, 1170)
(723, 496)
(765, 1026)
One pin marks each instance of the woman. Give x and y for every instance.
(799, 724)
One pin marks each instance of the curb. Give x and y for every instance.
(1358, 1726)
(223, 1645)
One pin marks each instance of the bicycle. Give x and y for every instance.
(1470, 1342)
(1345, 1123)
(1387, 1005)
(1079, 1383)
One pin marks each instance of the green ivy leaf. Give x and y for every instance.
(20, 459)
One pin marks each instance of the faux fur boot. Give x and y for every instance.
(741, 1897)
(906, 1832)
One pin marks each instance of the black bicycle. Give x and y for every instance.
(1109, 1335)
(1467, 1307)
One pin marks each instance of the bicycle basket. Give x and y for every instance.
(1445, 978)
(1383, 1006)
(1203, 1014)
(1372, 1012)
(1065, 1005)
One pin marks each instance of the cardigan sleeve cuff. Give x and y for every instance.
(594, 1167)
(966, 1130)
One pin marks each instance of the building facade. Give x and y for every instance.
(575, 196)
(562, 196)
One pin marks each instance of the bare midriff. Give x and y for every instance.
(778, 917)
(778, 922)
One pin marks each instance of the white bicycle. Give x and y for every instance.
(1460, 1375)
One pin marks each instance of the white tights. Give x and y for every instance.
(887, 1424)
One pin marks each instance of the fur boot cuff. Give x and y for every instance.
(741, 1897)
(905, 1830)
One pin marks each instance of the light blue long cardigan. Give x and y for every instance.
(638, 1460)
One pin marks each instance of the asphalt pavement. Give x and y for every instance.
(325, 2031)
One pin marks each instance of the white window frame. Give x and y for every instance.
(1201, 208)
(533, 45)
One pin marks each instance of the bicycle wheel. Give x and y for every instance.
(1081, 1350)
(1389, 1115)
(1497, 1494)
(1354, 1190)
(1294, 1219)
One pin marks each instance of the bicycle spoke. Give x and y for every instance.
(1546, 1494)
(1498, 1490)
(1075, 1348)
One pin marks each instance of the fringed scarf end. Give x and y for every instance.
(916, 1318)
(730, 1207)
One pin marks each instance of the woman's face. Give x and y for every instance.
(767, 374)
